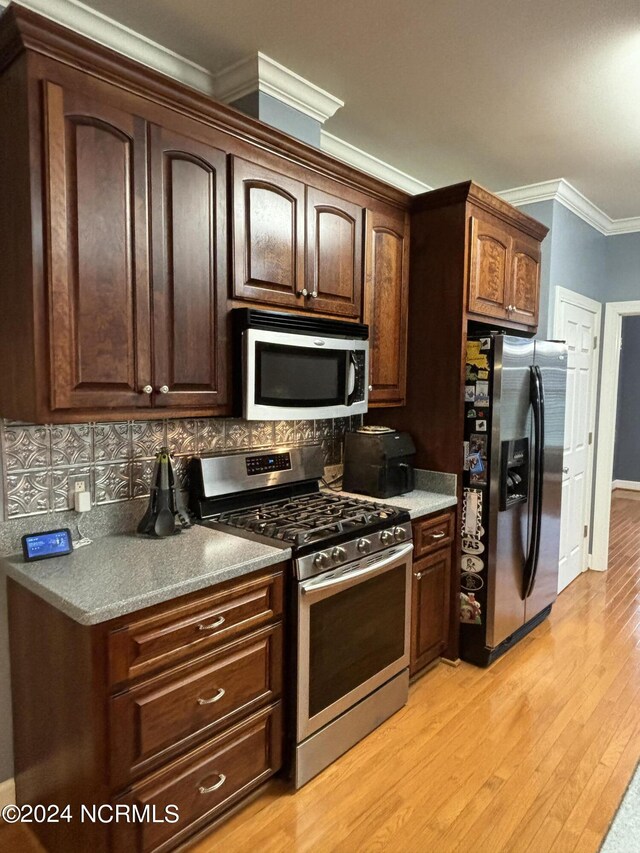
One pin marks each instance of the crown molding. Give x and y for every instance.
(359, 159)
(261, 73)
(563, 192)
(110, 33)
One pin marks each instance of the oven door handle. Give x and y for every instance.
(356, 575)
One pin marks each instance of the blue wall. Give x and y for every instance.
(575, 256)
(543, 211)
(627, 447)
(623, 267)
(274, 112)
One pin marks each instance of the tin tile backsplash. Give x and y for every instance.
(40, 463)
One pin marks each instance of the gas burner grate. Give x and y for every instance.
(309, 518)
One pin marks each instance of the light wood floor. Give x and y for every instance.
(533, 754)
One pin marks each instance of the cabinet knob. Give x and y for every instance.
(370, 387)
(314, 294)
(164, 389)
(147, 389)
(303, 292)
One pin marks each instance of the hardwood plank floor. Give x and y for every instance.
(533, 754)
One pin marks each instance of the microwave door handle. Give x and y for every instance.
(352, 371)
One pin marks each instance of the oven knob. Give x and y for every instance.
(338, 554)
(364, 546)
(386, 537)
(320, 560)
(399, 534)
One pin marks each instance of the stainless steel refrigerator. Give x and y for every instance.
(510, 525)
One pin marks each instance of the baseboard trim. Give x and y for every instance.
(7, 793)
(628, 485)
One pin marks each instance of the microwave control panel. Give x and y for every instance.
(268, 462)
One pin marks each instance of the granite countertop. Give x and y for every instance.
(123, 573)
(119, 574)
(433, 492)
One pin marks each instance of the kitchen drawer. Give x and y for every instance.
(434, 532)
(163, 716)
(229, 766)
(171, 633)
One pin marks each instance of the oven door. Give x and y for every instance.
(353, 634)
(290, 376)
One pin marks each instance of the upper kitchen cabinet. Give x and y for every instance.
(504, 272)
(525, 280)
(334, 254)
(141, 212)
(188, 220)
(386, 308)
(473, 257)
(96, 231)
(488, 269)
(294, 245)
(268, 235)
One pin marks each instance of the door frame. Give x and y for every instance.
(565, 296)
(606, 436)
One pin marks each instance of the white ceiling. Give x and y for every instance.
(507, 92)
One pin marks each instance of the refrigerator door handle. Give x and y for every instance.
(537, 402)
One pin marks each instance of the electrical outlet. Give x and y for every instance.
(78, 483)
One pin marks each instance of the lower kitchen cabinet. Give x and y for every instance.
(203, 784)
(175, 705)
(431, 616)
(430, 608)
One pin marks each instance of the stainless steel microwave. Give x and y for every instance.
(298, 367)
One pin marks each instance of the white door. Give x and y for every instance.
(577, 321)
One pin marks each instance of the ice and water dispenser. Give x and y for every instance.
(514, 474)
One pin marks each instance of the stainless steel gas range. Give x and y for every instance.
(350, 601)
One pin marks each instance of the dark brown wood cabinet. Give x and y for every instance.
(386, 304)
(117, 277)
(96, 168)
(334, 254)
(179, 703)
(525, 280)
(294, 245)
(268, 235)
(188, 197)
(489, 274)
(124, 197)
(504, 273)
(472, 257)
(432, 614)
(430, 611)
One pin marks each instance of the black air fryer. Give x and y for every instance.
(378, 462)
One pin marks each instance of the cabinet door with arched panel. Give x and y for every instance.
(386, 303)
(268, 235)
(189, 228)
(489, 285)
(97, 262)
(525, 281)
(334, 254)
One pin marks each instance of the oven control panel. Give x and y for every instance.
(268, 462)
(369, 547)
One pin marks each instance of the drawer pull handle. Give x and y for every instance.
(215, 624)
(438, 535)
(221, 780)
(213, 699)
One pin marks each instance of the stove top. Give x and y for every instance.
(274, 497)
(312, 519)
